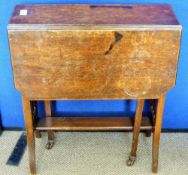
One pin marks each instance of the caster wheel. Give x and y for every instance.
(131, 160)
(49, 145)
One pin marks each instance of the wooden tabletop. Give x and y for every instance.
(98, 14)
(53, 58)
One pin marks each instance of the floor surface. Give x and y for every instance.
(97, 153)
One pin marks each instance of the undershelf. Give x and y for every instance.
(91, 124)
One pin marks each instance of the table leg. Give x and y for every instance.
(34, 113)
(38, 134)
(152, 108)
(156, 134)
(148, 133)
(137, 123)
(30, 134)
(50, 142)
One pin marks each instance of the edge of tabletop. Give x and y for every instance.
(91, 27)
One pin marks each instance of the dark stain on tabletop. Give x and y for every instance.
(118, 37)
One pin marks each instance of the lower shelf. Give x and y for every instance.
(91, 124)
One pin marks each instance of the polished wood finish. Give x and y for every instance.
(92, 124)
(156, 135)
(55, 64)
(113, 51)
(108, 63)
(30, 134)
(98, 14)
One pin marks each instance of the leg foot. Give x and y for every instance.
(38, 134)
(50, 144)
(148, 133)
(131, 160)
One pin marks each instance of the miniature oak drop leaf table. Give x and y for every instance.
(112, 51)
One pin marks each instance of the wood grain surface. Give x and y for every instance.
(98, 14)
(94, 64)
(112, 51)
(91, 124)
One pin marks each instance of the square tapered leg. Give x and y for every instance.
(156, 134)
(51, 137)
(137, 123)
(30, 134)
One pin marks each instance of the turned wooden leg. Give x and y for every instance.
(156, 134)
(137, 123)
(30, 134)
(50, 142)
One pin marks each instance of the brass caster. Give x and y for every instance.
(49, 144)
(131, 160)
